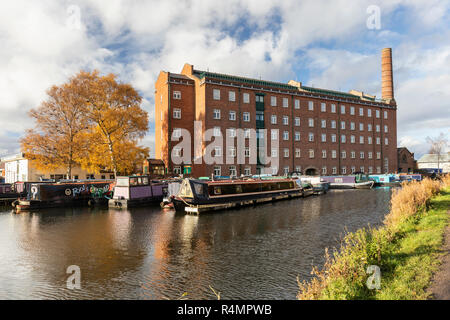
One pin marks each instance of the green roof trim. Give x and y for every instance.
(202, 74)
(220, 76)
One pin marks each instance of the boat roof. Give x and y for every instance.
(239, 181)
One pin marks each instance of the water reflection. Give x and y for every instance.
(146, 253)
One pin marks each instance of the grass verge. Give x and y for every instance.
(406, 249)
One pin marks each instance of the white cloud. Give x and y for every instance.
(255, 38)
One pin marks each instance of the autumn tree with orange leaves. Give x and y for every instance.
(58, 141)
(92, 121)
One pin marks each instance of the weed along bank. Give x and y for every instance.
(405, 251)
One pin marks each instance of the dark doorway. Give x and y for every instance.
(311, 172)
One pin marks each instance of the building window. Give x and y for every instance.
(286, 153)
(333, 154)
(352, 139)
(353, 154)
(369, 113)
(231, 96)
(273, 101)
(310, 105)
(274, 153)
(386, 165)
(217, 171)
(361, 112)
(324, 170)
(247, 171)
(217, 132)
(259, 98)
(297, 104)
(232, 152)
(273, 119)
(216, 94)
(378, 169)
(297, 153)
(333, 124)
(285, 135)
(311, 122)
(311, 153)
(343, 139)
(370, 170)
(311, 137)
(377, 128)
(352, 111)
(176, 133)
(333, 108)
(369, 140)
(177, 170)
(176, 113)
(298, 169)
(343, 154)
(334, 170)
(285, 120)
(216, 114)
(378, 140)
(177, 95)
(324, 154)
(297, 121)
(386, 141)
(369, 154)
(361, 127)
(353, 169)
(246, 116)
(385, 114)
(232, 115)
(333, 138)
(323, 107)
(324, 123)
(286, 171)
(343, 125)
(297, 136)
(352, 126)
(369, 127)
(385, 129)
(274, 134)
(232, 132)
(247, 152)
(361, 139)
(377, 113)
(217, 151)
(274, 170)
(378, 155)
(246, 133)
(246, 97)
(324, 137)
(233, 171)
(285, 103)
(342, 109)
(361, 154)
(344, 170)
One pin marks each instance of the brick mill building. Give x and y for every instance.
(318, 131)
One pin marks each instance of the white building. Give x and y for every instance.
(19, 168)
(430, 161)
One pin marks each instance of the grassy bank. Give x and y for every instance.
(406, 249)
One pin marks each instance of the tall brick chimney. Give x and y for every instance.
(387, 80)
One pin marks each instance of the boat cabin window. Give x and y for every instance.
(122, 182)
(133, 181)
(145, 180)
(198, 187)
(217, 190)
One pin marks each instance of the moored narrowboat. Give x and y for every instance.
(48, 195)
(196, 196)
(348, 182)
(137, 191)
(385, 180)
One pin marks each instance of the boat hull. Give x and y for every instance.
(355, 185)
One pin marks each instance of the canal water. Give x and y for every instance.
(148, 253)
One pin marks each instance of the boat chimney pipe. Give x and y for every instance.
(387, 80)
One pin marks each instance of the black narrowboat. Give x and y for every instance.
(48, 195)
(196, 196)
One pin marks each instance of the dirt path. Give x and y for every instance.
(440, 285)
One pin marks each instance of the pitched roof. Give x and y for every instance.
(434, 158)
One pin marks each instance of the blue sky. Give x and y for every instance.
(326, 44)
